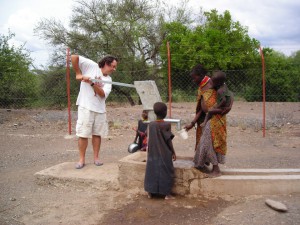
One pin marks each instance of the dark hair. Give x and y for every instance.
(107, 60)
(160, 110)
(219, 78)
(198, 70)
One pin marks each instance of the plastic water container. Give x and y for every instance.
(183, 134)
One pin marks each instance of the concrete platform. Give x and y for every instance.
(129, 173)
(90, 176)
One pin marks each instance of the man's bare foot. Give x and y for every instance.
(169, 197)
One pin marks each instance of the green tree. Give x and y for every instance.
(129, 29)
(282, 77)
(217, 42)
(294, 75)
(18, 84)
(53, 88)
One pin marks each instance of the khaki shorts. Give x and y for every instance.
(91, 123)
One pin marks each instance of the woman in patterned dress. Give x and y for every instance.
(211, 145)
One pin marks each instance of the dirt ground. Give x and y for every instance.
(33, 140)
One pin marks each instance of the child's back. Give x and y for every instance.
(223, 96)
(159, 174)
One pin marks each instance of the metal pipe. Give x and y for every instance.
(177, 121)
(112, 82)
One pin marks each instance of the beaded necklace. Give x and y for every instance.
(204, 81)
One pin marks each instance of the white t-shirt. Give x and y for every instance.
(87, 97)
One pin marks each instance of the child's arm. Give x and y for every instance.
(228, 108)
(136, 135)
(170, 144)
(216, 109)
(209, 115)
(221, 95)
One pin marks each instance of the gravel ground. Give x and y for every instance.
(33, 140)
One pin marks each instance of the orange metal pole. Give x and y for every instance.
(68, 89)
(264, 91)
(169, 78)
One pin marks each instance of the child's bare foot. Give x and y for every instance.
(168, 197)
(149, 195)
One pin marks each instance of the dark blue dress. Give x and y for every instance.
(159, 176)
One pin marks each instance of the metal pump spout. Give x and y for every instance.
(177, 121)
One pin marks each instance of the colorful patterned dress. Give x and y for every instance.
(211, 140)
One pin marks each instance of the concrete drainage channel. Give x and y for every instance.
(129, 174)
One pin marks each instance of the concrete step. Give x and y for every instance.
(130, 170)
(243, 185)
(259, 172)
(103, 177)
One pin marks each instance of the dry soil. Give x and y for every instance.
(33, 140)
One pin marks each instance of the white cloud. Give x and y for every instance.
(22, 17)
(274, 23)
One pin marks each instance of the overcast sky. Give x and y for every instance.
(275, 23)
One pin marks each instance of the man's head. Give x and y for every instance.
(218, 78)
(160, 110)
(108, 64)
(198, 73)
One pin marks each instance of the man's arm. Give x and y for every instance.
(75, 65)
(79, 76)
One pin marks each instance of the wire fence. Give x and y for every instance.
(49, 89)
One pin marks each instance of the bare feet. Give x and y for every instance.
(149, 195)
(216, 172)
(169, 197)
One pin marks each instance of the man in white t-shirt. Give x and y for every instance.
(91, 122)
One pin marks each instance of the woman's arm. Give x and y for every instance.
(194, 121)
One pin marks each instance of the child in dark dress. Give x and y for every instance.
(159, 176)
(141, 132)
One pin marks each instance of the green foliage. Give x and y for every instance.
(129, 30)
(18, 84)
(220, 43)
(137, 32)
(282, 77)
(53, 88)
